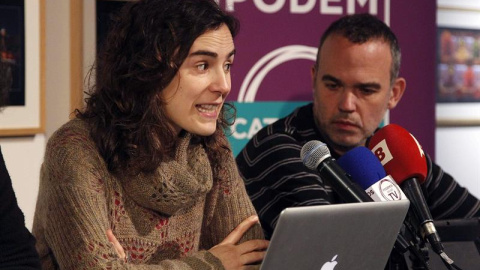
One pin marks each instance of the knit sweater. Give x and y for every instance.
(163, 220)
(17, 245)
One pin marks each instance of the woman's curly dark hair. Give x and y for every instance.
(147, 44)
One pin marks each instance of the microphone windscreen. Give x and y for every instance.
(363, 166)
(400, 153)
(314, 152)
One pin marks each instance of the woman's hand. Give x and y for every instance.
(116, 245)
(239, 256)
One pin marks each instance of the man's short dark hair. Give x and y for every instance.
(361, 28)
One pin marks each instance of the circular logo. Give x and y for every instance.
(262, 67)
(389, 190)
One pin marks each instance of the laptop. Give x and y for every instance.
(335, 237)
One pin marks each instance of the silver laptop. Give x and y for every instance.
(335, 237)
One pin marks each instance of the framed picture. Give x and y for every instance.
(22, 60)
(91, 22)
(458, 65)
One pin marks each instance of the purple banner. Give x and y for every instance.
(278, 39)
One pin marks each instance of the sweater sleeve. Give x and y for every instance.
(17, 245)
(227, 206)
(446, 198)
(71, 218)
(276, 178)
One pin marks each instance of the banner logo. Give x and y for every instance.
(259, 71)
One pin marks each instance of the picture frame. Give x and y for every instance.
(458, 65)
(22, 38)
(89, 26)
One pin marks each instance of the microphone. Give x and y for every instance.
(365, 169)
(316, 156)
(403, 158)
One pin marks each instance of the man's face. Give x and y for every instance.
(352, 90)
(196, 94)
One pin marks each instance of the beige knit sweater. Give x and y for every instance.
(165, 220)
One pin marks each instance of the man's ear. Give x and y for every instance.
(397, 92)
(313, 73)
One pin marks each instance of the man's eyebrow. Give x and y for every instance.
(211, 54)
(373, 85)
(331, 78)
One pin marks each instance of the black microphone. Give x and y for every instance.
(316, 156)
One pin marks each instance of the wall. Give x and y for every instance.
(23, 157)
(458, 143)
(458, 152)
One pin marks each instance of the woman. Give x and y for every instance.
(147, 159)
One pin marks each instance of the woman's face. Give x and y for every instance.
(196, 94)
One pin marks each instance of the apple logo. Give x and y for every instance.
(330, 265)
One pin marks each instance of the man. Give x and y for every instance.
(355, 81)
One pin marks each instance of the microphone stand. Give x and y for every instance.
(416, 264)
(396, 261)
(419, 261)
